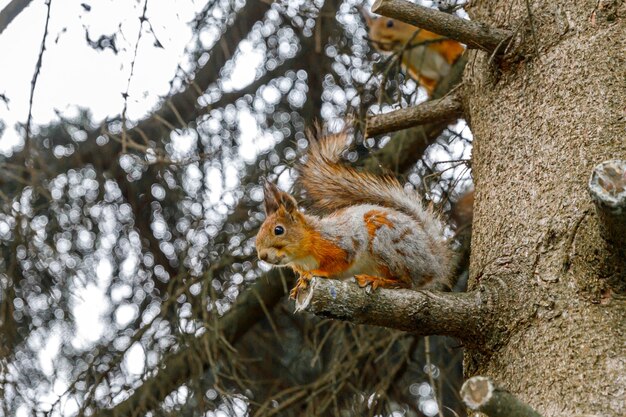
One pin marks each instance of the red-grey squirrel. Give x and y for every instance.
(428, 58)
(376, 230)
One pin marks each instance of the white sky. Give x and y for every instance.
(75, 75)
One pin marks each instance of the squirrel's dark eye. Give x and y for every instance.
(389, 23)
(279, 230)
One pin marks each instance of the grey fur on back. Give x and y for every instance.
(332, 185)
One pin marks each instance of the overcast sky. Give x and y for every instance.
(75, 75)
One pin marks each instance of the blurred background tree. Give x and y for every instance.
(129, 282)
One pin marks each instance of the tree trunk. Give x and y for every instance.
(540, 124)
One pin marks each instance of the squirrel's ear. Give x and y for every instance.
(275, 198)
(368, 18)
(270, 202)
(288, 202)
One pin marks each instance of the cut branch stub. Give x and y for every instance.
(474, 34)
(448, 108)
(480, 394)
(461, 315)
(607, 187)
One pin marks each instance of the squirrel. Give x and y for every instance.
(427, 63)
(376, 230)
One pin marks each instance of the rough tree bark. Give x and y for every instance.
(540, 126)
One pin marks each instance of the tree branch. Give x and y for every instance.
(423, 312)
(11, 11)
(183, 105)
(232, 96)
(473, 34)
(480, 394)
(446, 109)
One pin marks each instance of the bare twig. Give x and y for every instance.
(531, 20)
(407, 146)
(448, 108)
(479, 393)
(33, 83)
(130, 76)
(431, 379)
(293, 64)
(473, 34)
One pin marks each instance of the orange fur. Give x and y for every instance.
(374, 220)
(314, 246)
(300, 246)
(449, 49)
(463, 210)
(393, 35)
(304, 242)
(330, 257)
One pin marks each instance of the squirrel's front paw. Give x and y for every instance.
(294, 293)
(302, 283)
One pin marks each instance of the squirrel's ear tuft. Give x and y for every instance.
(275, 198)
(288, 202)
(270, 200)
(366, 15)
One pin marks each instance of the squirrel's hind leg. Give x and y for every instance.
(364, 280)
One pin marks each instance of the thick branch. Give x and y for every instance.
(423, 312)
(444, 110)
(480, 394)
(473, 34)
(11, 11)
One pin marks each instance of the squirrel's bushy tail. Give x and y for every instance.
(332, 185)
